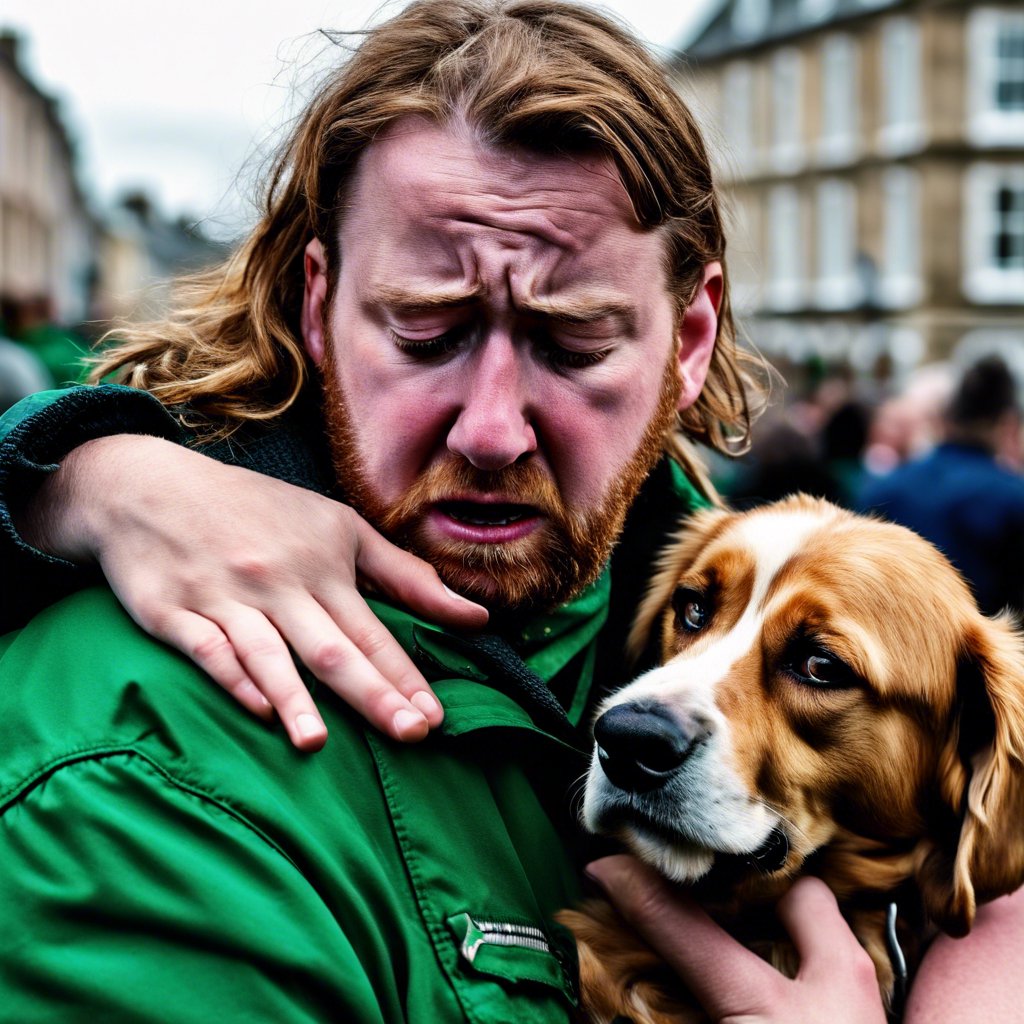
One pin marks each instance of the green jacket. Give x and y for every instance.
(168, 858)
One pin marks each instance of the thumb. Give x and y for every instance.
(726, 977)
(413, 582)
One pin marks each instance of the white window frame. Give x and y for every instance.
(987, 124)
(738, 113)
(900, 283)
(983, 280)
(903, 127)
(787, 113)
(840, 87)
(786, 283)
(837, 284)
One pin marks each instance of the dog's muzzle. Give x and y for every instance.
(641, 745)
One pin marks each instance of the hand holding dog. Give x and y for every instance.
(734, 985)
(233, 568)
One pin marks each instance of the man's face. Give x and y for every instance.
(501, 357)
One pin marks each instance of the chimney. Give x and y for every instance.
(10, 44)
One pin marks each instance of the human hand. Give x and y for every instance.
(232, 567)
(836, 980)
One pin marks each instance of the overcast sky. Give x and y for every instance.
(176, 98)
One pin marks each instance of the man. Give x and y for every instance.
(495, 235)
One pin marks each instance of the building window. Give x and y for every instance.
(787, 110)
(899, 284)
(785, 244)
(738, 111)
(837, 285)
(994, 233)
(995, 80)
(837, 139)
(750, 18)
(902, 128)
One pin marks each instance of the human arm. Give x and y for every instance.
(976, 978)
(35, 435)
(230, 566)
(836, 977)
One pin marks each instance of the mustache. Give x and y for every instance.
(521, 483)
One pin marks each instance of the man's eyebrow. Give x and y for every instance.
(582, 310)
(402, 300)
(577, 310)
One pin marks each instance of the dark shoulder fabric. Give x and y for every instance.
(36, 434)
(664, 501)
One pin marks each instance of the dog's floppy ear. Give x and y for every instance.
(694, 533)
(981, 782)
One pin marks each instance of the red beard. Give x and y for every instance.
(542, 570)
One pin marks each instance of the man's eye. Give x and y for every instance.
(570, 358)
(813, 665)
(691, 610)
(429, 348)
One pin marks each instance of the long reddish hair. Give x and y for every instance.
(546, 75)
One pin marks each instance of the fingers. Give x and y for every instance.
(726, 977)
(827, 947)
(364, 665)
(836, 980)
(265, 657)
(205, 643)
(413, 582)
(245, 654)
(386, 655)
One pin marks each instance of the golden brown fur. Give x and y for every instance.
(906, 782)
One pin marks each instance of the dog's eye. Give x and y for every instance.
(817, 667)
(691, 609)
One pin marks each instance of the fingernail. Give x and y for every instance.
(308, 726)
(605, 870)
(425, 702)
(458, 597)
(405, 721)
(249, 689)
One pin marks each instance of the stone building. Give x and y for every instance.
(47, 234)
(873, 152)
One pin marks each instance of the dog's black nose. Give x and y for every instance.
(641, 745)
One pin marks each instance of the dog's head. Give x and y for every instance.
(828, 688)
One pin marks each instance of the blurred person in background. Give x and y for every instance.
(31, 323)
(908, 424)
(961, 495)
(22, 372)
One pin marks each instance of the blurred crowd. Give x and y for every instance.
(942, 454)
(36, 353)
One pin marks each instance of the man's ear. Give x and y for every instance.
(697, 334)
(314, 300)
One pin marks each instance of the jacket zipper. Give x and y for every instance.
(501, 933)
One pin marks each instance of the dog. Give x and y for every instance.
(830, 701)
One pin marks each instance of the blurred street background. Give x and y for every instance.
(871, 152)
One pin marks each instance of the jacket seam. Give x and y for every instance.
(14, 794)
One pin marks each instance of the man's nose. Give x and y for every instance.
(493, 428)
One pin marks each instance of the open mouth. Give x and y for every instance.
(484, 522)
(476, 513)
